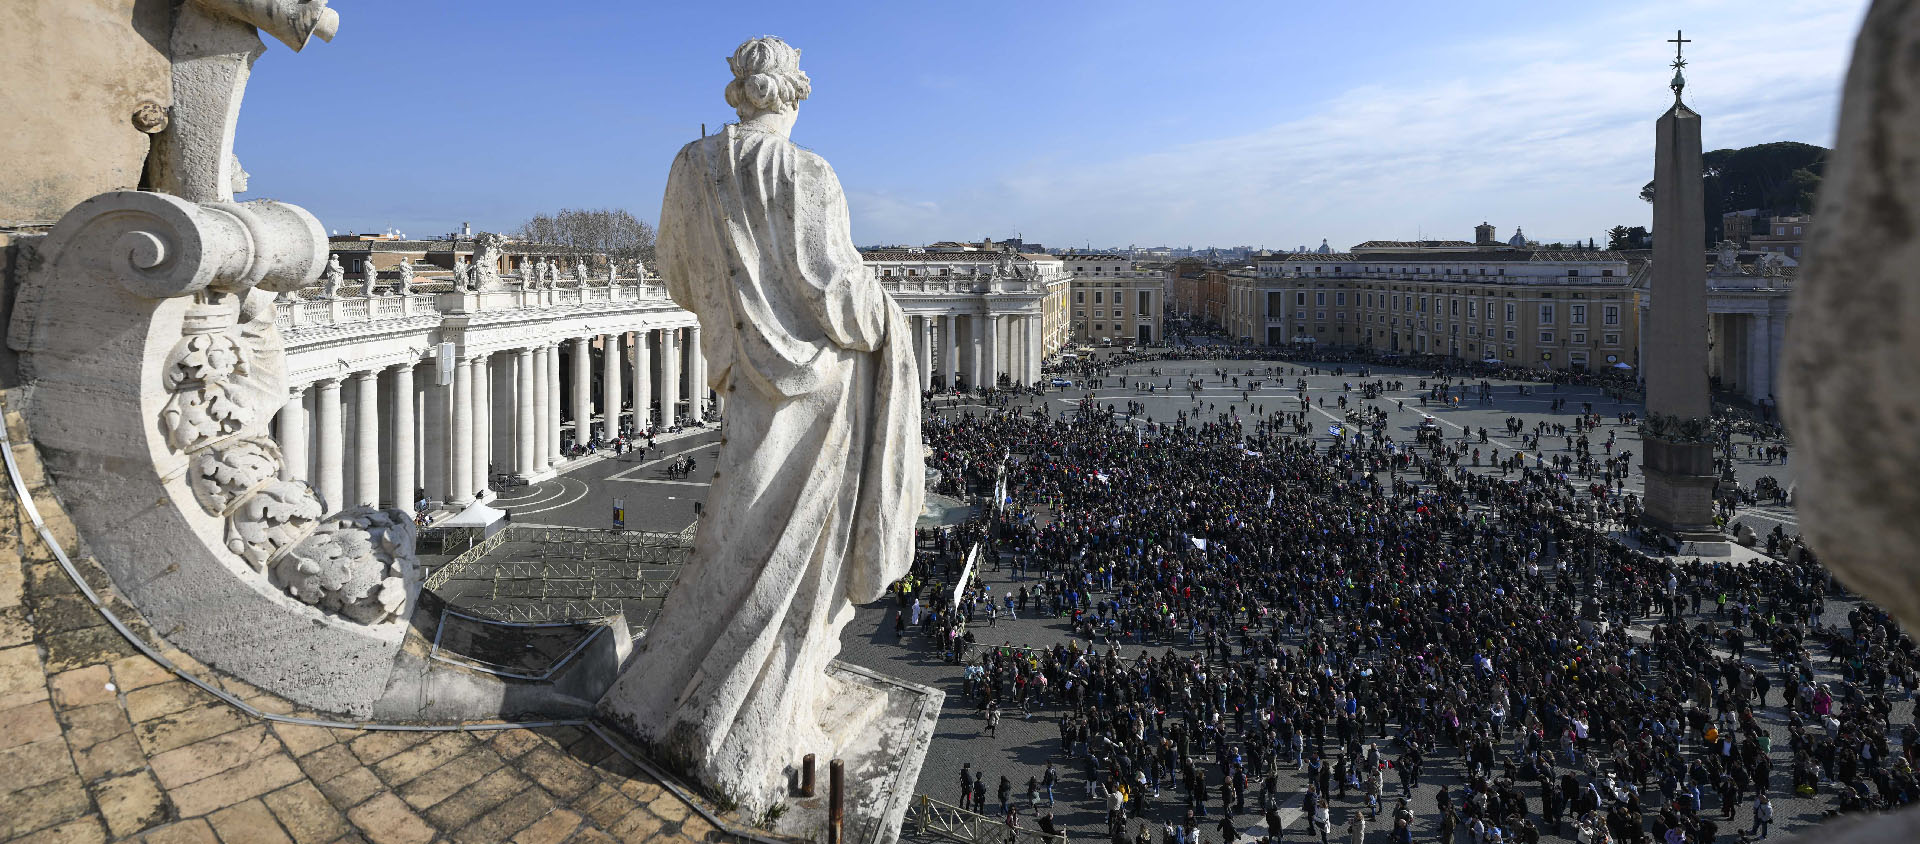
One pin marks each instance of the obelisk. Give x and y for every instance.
(1677, 437)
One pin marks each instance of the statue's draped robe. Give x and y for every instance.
(820, 476)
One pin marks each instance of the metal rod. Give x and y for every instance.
(806, 776)
(837, 802)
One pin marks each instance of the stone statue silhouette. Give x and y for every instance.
(820, 476)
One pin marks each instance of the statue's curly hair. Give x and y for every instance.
(766, 77)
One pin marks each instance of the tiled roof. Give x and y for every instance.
(1312, 257)
(1509, 257)
(1411, 244)
(883, 255)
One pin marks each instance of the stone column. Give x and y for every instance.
(293, 435)
(542, 388)
(923, 345)
(949, 349)
(990, 350)
(1759, 356)
(696, 373)
(402, 486)
(582, 391)
(523, 412)
(642, 380)
(482, 423)
(613, 359)
(669, 375)
(552, 453)
(435, 436)
(326, 410)
(460, 474)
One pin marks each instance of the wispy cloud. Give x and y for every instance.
(1551, 130)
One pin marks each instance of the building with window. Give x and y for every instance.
(1783, 235)
(1519, 306)
(978, 314)
(1114, 303)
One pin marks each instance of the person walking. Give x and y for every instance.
(1762, 815)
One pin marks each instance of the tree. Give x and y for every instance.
(1623, 237)
(614, 232)
(1777, 178)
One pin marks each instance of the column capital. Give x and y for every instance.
(366, 374)
(404, 366)
(297, 391)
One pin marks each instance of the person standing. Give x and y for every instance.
(1762, 814)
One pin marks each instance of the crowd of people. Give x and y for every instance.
(1255, 624)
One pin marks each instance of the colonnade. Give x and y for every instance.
(394, 435)
(973, 349)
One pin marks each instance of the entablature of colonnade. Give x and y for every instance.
(328, 338)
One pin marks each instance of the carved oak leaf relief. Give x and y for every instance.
(222, 475)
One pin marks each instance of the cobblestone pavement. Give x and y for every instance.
(99, 743)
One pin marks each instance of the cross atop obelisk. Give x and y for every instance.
(1679, 82)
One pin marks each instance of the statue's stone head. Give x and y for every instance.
(766, 77)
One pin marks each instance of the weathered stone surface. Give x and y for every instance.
(224, 789)
(387, 820)
(250, 822)
(130, 803)
(194, 831)
(404, 766)
(117, 755)
(103, 72)
(301, 739)
(188, 726)
(84, 687)
(507, 819)
(26, 724)
(83, 831)
(27, 809)
(490, 791)
(449, 778)
(552, 829)
(91, 725)
(216, 755)
(33, 764)
(562, 775)
(305, 814)
(1850, 392)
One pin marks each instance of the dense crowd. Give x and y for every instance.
(1264, 622)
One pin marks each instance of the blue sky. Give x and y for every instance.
(1114, 123)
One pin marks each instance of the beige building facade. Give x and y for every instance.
(1529, 308)
(1119, 309)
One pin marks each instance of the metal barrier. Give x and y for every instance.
(931, 817)
(444, 573)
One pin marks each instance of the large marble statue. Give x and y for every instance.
(820, 474)
(405, 285)
(580, 273)
(370, 277)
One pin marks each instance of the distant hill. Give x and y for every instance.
(1778, 178)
